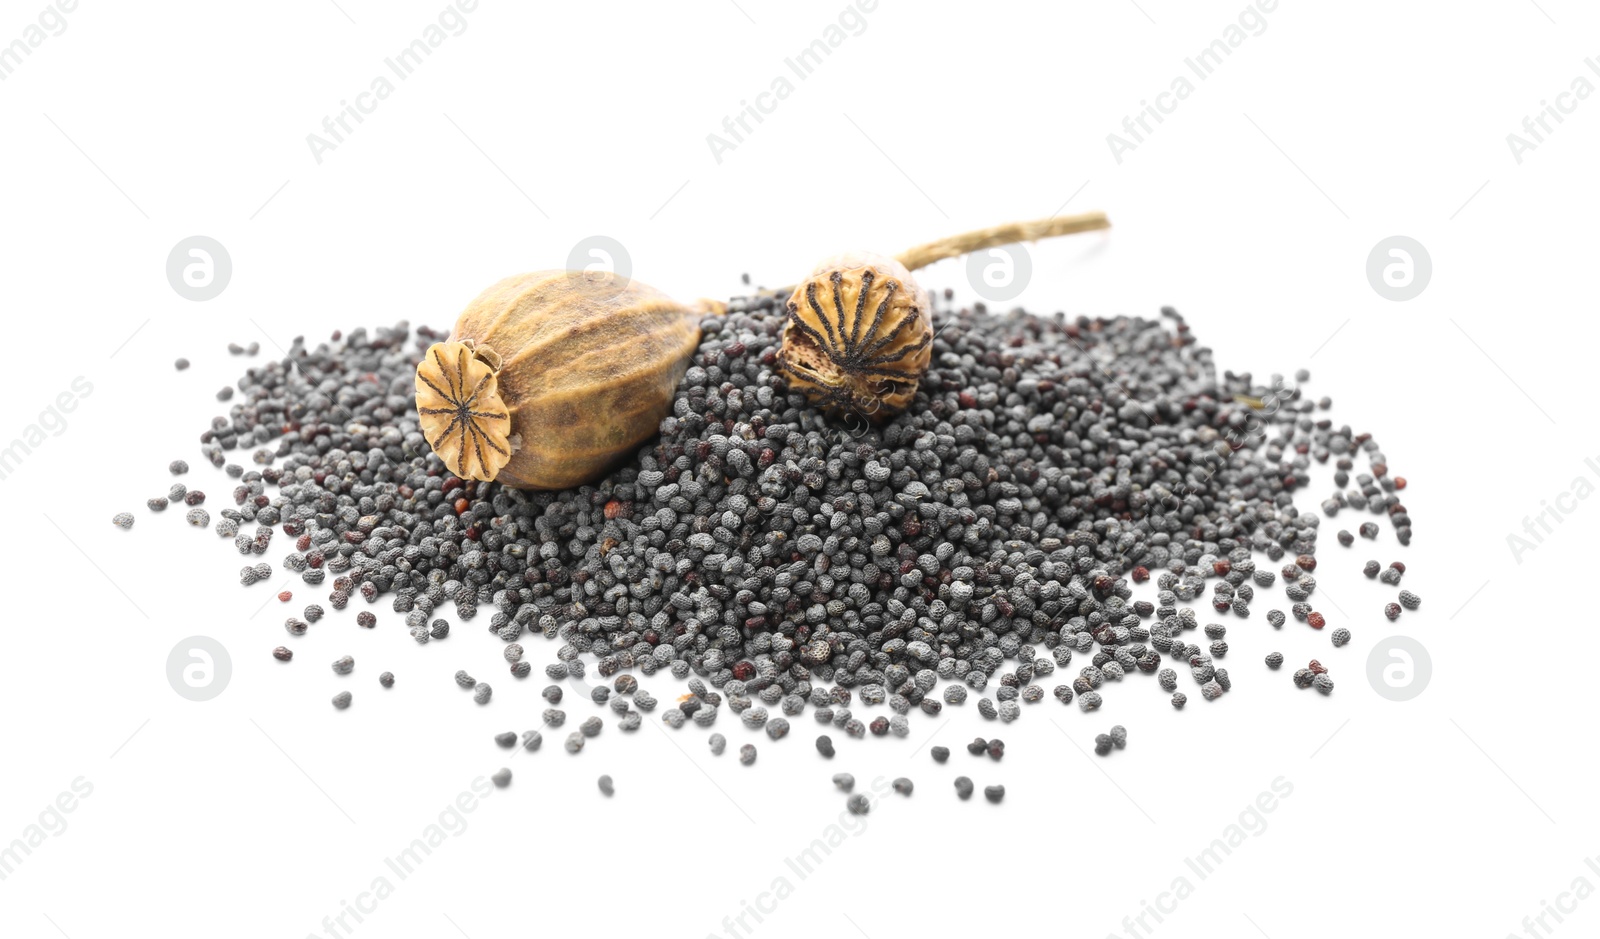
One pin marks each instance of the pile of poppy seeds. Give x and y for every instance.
(984, 544)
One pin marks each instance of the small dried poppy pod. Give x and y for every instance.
(550, 378)
(858, 336)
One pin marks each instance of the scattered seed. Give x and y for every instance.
(747, 754)
(858, 804)
(994, 793)
(341, 700)
(606, 787)
(501, 777)
(386, 679)
(844, 781)
(903, 786)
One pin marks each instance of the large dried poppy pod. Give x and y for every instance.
(858, 336)
(550, 378)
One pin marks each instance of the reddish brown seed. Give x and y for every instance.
(283, 653)
(1306, 562)
(1399, 482)
(286, 596)
(1380, 469)
(1398, 565)
(1222, 568)
(1141, 574)
(1317, 668)
(744, 671)
(1316, 621)
(1392, 610)
(613, 509)
(462, 505)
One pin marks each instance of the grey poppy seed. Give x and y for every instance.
(747, 754)
(501, 777)
(341, 700)
(606, 786)
(844, 781)
(386, 679)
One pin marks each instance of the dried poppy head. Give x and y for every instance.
(858, 336)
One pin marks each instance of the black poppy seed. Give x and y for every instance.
(940, 754)
(507, 740)
(181, 364)
(386, 679)
(745, 512)
(1102, 744)
(963, 788)
(994, 793)
(1409, 600)
(177, 467)
(1119, 736)
(844, 781)
(903, 786)
(1274, 660)
(342, 700)
(1340, 636)
(344, 665)
(482, 693)
(158, 504)
(501, 777)
(996, 749)
(607, 788)
(747, 754)
(1179, 699)
(858, 804)
(574, 742)
(590, 727)
(197, 517)
(283, 653)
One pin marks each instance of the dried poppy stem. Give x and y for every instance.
(923, 255)
(993, 237)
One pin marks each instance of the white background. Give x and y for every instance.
(1252, 208)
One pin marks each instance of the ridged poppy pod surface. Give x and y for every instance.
(858, 336)
(550, 378)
